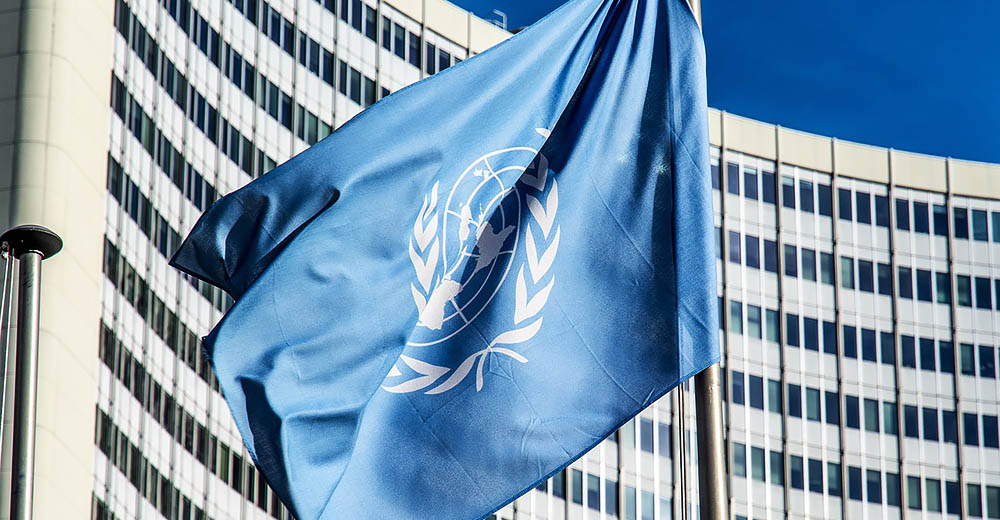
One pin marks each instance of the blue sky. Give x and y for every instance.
(916, 75)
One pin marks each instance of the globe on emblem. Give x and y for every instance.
(479, 238)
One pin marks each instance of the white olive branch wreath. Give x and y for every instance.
(424, 251)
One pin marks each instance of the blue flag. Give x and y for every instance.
(478, 279)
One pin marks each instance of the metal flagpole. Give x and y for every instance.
(708, 403)
(30, 245)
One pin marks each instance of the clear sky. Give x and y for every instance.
(917, 75)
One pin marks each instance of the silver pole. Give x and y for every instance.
(30, 245)
(711, 445)
(708, 403)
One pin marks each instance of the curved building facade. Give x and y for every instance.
(858, 290)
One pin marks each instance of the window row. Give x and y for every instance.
(153, 225)
(152, 484)
(140, 209)
(165, 324)
(872, 345)
(863, 484)
(966, 223)
(762, 185)
(194, 437)
(863, 413)
(570, 483)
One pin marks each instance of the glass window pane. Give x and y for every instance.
(846, 272)
(903, 214)
(750, 183)
(864, 208)
(980, 228)
(844, 204)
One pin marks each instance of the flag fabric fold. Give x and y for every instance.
(477, 279)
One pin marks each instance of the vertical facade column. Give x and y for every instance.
(897, 364)
(838, 321)
(780, 259)
(953, 319)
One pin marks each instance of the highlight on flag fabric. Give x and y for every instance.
(476, 280)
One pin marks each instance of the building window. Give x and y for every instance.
(885, 279)
(846, 272)
(736, 317)
(733, 178)
(810, 333)
(913, 493)
(995, 217)
(757, 464)
(930, 424)
(833, 479)
(946, 357)
(874, 486)
(921, 221)
(737, 383)
(871, 415)
(806, 196)
(833, 408)
(923, 285)
(753, 322)
(902, 214)
(927, 355)
(905, 282)
(851, 410)
(795, 471)
(812, 404)
(791, 262)
(854, 483)
(864, 209)
(825, 196)
(963, 290)
(576, 486)
(949, 427)
(882, 211)
(943, 285)
(987, 364)
(967, 359)
(866, 276)
(773, 396)
(768, 189)
(941, 220)
(826, 269)
(792, 330)
(752, 246)
(990, 439)
(777, 468)
(850, 337)
(771, 318)
(886, 339)
(815, 476)
(770, 256)
(984, 293)
(844, 204)
(787, 192)
(892, 491)
(992, 502)
(756, 392)
(830, 337)
(951, 497)
(961, 222)
(808, 264)
(910, 422)
(750, 183)
(932, 494)
(980, 228)
(739, 459)
(868, 345)
(973, 500)
(970, 429)
(889, 420)
(794, 400)
(906, 347)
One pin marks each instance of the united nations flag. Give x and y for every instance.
(479, 278)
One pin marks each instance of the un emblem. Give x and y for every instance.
(464, 248)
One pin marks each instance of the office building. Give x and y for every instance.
(859, 303)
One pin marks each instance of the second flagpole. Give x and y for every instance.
(714, 499)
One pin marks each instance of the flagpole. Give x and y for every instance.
(30, 245)
(708, 403)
